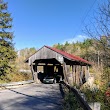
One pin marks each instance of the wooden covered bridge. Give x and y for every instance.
(54, 62)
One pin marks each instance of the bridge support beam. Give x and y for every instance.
(65, 72)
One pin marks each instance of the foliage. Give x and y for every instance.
(106, 74)
(9, 62)
(97, 95)
(19, 76)
(7, 52)
(22, 55)
(100, 31)
(15, 77)
(70, 102)
(59, 46)
(26, 52)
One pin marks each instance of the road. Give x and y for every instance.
(31, 97)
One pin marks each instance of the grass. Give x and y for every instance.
(15, 77)
(70, 102)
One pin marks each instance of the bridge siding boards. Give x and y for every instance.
(57, 57)
(45, 53)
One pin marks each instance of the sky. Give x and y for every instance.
(47, 22)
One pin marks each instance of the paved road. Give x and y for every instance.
(31, 97)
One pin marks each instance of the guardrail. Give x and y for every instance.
(16, 83)
(82, 102)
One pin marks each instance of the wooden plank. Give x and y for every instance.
(65, 71)
(32, 71)
(81, 73)
(79, 70)
(77, 74)
(46, 53)
(74, 73)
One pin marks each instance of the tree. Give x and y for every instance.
(59, 46)
(100, 31)
(22, 55)
(7, 52)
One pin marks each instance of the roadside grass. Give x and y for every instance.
(15, 77)
(70, 102)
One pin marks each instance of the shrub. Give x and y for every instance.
(70, 102)
(15, 77)
(97, 95)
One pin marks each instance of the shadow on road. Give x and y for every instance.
(49, 100)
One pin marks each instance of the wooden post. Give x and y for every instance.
(35, 67)
(32, 72)
(88, 70)
(45, 68)
(36, 73)
(70, 75)
(78, 75)
(88, 74)
(81, 75)
(73, 73)
(65, 71)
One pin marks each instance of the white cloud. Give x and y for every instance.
(79, 38)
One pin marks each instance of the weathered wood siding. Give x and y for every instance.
(46, 53)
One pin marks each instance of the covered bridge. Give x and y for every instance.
(54, 62)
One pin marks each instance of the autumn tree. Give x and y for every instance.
(22, 55)
(7, 52)
(100, 31)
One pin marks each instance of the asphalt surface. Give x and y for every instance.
(32, 97)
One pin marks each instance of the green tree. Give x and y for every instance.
(7, 52)
(86, 49)
(59, 46)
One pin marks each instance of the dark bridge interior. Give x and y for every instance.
(48, 67)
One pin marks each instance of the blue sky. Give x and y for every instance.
(48, 22)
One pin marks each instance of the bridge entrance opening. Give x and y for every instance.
(48, 68)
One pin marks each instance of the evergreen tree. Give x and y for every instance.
(7, 52)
